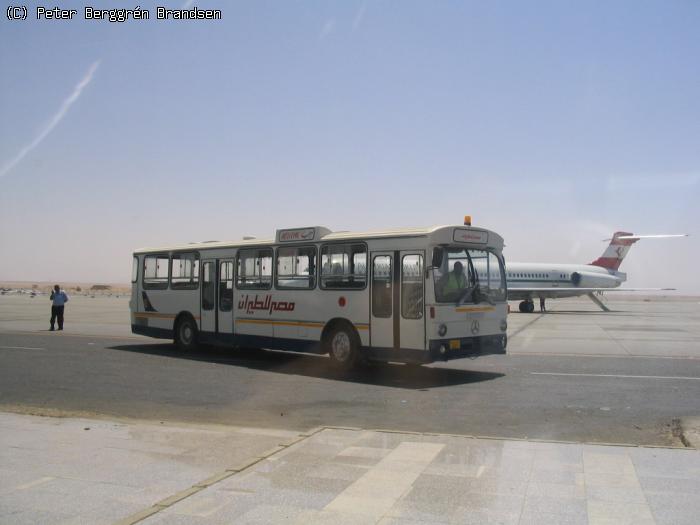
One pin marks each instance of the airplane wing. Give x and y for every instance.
(637, 237)
(586, 290)
(522, 294)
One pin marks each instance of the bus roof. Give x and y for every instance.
(320, 235)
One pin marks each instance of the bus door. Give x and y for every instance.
(217, 296)
(225, 299)
(382, 300)
(412, 293)
(397, 300)
(207, 321)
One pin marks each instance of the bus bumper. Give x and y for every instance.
(440, 350)
(446, 349)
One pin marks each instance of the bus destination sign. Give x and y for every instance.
(299, 234)
(470, 236)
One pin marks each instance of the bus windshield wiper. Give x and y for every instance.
(486, 296)
(477, 295)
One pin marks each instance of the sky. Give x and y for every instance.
(552, 123)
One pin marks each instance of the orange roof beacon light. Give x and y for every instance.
(467, 220)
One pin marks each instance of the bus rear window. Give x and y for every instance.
(135, 270)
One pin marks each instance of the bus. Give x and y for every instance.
(412, 296)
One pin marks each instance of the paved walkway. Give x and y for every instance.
(63, 470)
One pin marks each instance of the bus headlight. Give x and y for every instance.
(504, 325)
(442, 330)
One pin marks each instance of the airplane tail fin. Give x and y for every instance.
(619, 246)
(615, 252)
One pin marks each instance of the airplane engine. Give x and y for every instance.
(593, 280)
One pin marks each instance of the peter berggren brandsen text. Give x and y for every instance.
(124, 15)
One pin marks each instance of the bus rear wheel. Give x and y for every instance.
(186, 333)
(343, 347)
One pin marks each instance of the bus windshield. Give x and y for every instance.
(469, 276)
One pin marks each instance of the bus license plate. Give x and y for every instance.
(454, 344)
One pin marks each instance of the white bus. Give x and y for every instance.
(381, 296)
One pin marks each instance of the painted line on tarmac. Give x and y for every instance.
(526, 325)
(611, 356)
(35, 483)
(614, 376)
(48, 333)
(21, 348)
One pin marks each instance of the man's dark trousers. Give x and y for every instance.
(57, 312)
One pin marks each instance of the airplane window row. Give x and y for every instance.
(533, 276)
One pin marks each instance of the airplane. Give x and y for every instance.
(544, 280)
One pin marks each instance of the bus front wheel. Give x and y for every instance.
(501, 342)
(186, 333)
(343, 347)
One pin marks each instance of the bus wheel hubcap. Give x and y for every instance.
(186, 333)
(341, 346)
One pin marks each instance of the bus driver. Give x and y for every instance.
(454, 282)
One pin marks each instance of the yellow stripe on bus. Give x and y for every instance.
(279, 323)
(477, 309)
(157, 315)
(305, 324)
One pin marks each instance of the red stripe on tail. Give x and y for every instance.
(615, 252)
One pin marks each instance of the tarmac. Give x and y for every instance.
(59, 468)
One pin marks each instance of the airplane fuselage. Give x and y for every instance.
(529, 281)
(557, 280)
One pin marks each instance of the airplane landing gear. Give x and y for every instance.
(527, 306)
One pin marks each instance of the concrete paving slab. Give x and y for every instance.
(674, 509)
(57, 466)
(413, 478)
(609, 492)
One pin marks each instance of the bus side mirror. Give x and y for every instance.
(437, 257)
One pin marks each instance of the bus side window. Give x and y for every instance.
(382, 286)
(254, 269)
(343, 266)
(296, 268)
(155, 272)
(184, 270)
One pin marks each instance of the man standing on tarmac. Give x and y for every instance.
(59, 298)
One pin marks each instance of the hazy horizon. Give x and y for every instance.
(554, 125)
